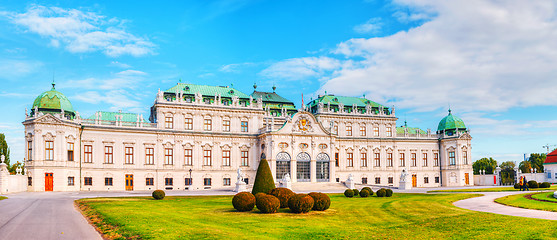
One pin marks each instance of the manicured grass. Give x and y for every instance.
(2, 197)
(547, 196)
(403, 216)
(520, 201)
(495, 189)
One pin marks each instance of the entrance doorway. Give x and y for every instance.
(129, 182)
(48, 182)
(414, 180)
(467, 178)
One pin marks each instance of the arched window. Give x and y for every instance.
(283, 165)
(322, 167)
(303, 170)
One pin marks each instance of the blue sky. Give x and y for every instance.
(493, 62)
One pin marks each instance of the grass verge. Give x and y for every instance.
(521, 201)
(495, 189)
(403, 216)
(2, 197)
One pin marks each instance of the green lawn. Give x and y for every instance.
(403, 216)
(495, 189)
(548, 196)
(522, 202)
(2, 197)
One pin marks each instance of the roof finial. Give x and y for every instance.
(449, 108)
(274, 87)
(53, 83)
(405, 123)
(254, 86)
(180, 80)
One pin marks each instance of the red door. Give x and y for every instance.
(48, 182)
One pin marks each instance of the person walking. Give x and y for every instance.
(525, 184)
(520, 183)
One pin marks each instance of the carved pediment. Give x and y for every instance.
(48, 119)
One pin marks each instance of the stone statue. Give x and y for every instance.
(241, 186)
(239, 178)
(18, 170)
(350, 182)
(350, 177)
(3, 158)
(403, 184)
(403, 175)
(26, 113)
(36, 112)
(286, 177)
(285, 182)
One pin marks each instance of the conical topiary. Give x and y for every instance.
(264, 181)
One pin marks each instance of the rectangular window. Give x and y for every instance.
(402, 160)
(413, 158)
(376, 131)
(390, 180)
(226, 181)
(188, 157)
(129, 155)
(424, 158)
(436, 179)
(336, 160)
(188, 181)
(364, 180)
(207, 161)
(29, 181)
(389, 132)
(149, 181)
(377, 180)
(389, 159)
(426, 180)
(206, 181)
(465, 157)
(168, 181)
(49, 150)
(149, 156)
(226, 158)
(350, 159)
(226, 125)
(245, 159)
(168, 122)
(436, 159)
(244, 125)
(377, 159)
(188, 123)
(348, 130)
(108, 154)
(362, 130)
(363, 159)
(207, 125)
(29, 150)
(70, 152)
(168, 156)
(452, 159)
(88, 153)
(71, 181)
(88, 181)
(108, 181)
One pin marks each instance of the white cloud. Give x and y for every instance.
(371, 26)
(301, 68)
(119, 64)
(81, 32)
(235, 67)
(14, 69)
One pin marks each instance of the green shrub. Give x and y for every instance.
(267, 203)
(158, 194)
(545, 185)
(364, 193)
(388, 192)
(381, 192)
(369, 190)
(257, 195)
(356, 192)
(532, 184)
(349, 193)
(283, 194)
(264, 181)
(300, 203)
(321, 201)
(243, 202)
(517, 186)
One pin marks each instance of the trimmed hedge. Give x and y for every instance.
(321, 201)
(283, 194)
(300, 203)
(381, 192)
(349, 193)
(369, 189)
(243, 202)
(388, 192)
(364, 193)
(545, 185)
(267, 203)
(533, 184)
(264, 181)
(356, 192)
(158, 194)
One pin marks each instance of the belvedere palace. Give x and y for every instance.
(198, 136)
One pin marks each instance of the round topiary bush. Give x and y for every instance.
(388, 192)
(283, 194)
(267, 203)
(369, 190)
(158, 194)
(533, 184)
(300, 203)
(257, 195)
(243, 202)
(321, 201)
(364, 193)
(349, 193)
(516, 185)
(381, 192)
(356, 192)
(545, 185)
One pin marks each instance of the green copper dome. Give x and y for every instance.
(451, 122)
(53, 101)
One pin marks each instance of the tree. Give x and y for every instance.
(536, 161)
(507, 172)
(525, 166)
(264, 181)
(487, 164)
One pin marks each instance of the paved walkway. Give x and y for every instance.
(486, 204)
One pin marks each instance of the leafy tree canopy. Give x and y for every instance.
(536, 161)
(487, 164)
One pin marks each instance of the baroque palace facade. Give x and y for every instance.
(198, 136)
